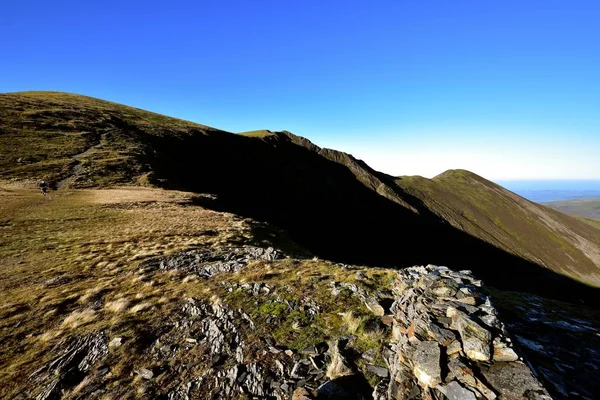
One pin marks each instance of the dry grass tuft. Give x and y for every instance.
(337, 367)
(49, 335)
(117, 306)
(79, 318)
(140, 307)
(352, 322)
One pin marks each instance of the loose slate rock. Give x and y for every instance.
(454, 391)
(443, 321)
(374, 306)
(427, 364)
(476, 340)
(377, 370)
(515, 381)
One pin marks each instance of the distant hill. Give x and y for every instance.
(586, 208)
(498, 216)
(545, 191)
(332, 204)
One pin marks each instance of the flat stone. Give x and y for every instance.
(377, 370)
(470, 300)
(369, 355)
(444, 288)
(426, 360)
(514, 380)
(490, 320)
(502, 352)
(310, 351)
(440, 335)
(466, 376)
(274, 350)
(463, 373)
(116, 342)
(454, 391)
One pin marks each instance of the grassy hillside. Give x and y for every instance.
(529, 230)
(41, 132)
(335, 206)
(586, 208)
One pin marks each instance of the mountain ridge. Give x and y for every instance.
(335, 205)
(178, 261)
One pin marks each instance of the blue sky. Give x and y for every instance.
(507, 89)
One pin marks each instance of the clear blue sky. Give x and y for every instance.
(508, 89)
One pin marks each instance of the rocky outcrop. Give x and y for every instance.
(449, 342)
(208, 262)
(74, 360)
(446, 342)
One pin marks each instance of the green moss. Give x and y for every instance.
(272, 308)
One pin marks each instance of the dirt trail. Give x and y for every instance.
(78, 168)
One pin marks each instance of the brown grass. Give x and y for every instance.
(67, 269)
(70, 266)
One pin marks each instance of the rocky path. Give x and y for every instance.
(77, 169)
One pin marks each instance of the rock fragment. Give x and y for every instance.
(373, 305)
(515, 381)
(302, 394)
(454, 391)
(377, 370)
(145, 373)
(476, 339)
(426, 367)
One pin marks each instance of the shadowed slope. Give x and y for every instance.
(332, 204)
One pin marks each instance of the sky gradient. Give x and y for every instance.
(507, 89)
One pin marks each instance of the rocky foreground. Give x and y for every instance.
(434, 335)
